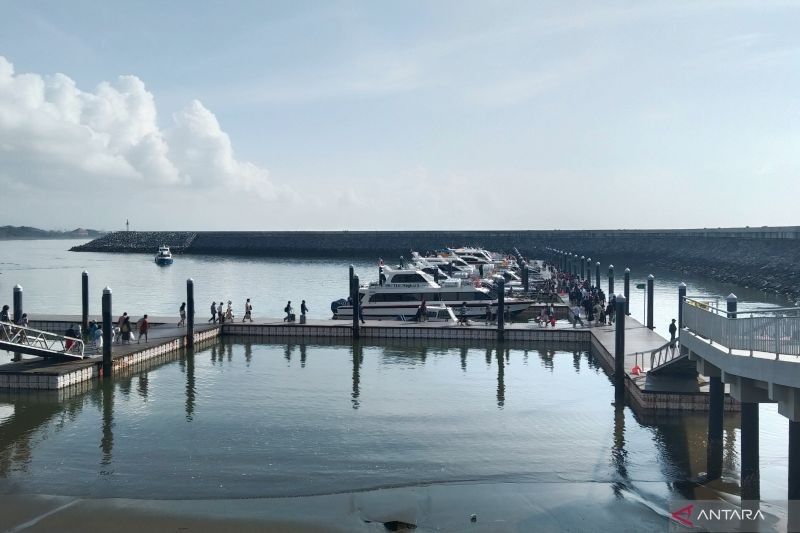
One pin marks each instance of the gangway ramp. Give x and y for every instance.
(25, 340)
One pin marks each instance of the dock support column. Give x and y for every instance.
(17, 302)
(583, 267)
(589, 270)
(619, 351)
(575, 266)
(85, 302)
(108, 334)
(751, 485)
(352, 273)
(716, 414)
(794, 475)
(610, 280)
(681, 298)
(356, 306)
(190, 313)
(597, 274)
(525, 278)
(501, 309)
(732, 303)
(650, 281)
(626, 288)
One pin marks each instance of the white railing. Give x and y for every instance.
(770, 330)
(656, 357)
(43, 340)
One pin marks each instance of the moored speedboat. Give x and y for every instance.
(163, 256)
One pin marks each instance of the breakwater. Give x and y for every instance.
(764, 258)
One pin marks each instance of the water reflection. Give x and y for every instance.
(190, 385)
(619, 456)
(107, 439)
(302, 356)
(501, 386)
(463, 355)
(357, 357)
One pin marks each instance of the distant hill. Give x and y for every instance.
(8, 233)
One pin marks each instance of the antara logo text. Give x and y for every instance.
(684, 515)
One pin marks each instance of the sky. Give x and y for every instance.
(336, 115)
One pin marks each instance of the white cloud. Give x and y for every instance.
(52, 131)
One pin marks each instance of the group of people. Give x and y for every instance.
(5, 316)
(123, 332)
(289, 310)
(218, 314)
(586, 300)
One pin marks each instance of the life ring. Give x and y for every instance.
(636, 370)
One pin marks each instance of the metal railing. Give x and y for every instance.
(42, 340)
(657, 356)
(769, 330)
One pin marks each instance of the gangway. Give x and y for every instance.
(19, 339)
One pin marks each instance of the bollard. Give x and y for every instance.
(583, 266)
(525, 278)
(356, 307)
(619, 350)
(627, 291)
(190, 313)
(650, 281)
(85, 302)
(108, 334)
(17, 303)
(501, 309)
(732, 302)
(610, 280)
(597, 274)
(589, 270)
(681, 298)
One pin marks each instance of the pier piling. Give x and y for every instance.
(751, 485)
(583, 267)
(732, 303)
(610, 280)
(17, 302)
(794, 475)
(190, 313)
(589, 270)
(85, 302)
(525, 278)
(626, 288)
(501, 308)
(597, 274)
(356, 305)
(619, 350)
(108, 334)
(650, 281)
(716, 406)
(681, 298)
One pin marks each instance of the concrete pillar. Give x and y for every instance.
(501, 309)
(108, 334)
(589, 270)
(751, 483)
(610, 280)
(583, 267)
(681, 298)
(597, 274)
(716, 413)
(794, 475)
(733, 303)
(85, 301)
(619, 350)
(525, 278)
(626, 288)
(356, 306)
(650, 280)
(190, 313)
(17, 302)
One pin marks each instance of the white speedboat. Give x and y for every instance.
(404, 290)
(163, 256)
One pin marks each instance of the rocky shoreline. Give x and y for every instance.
(765, 259)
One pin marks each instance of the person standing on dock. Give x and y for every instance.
(213, 313)
(673, 329)
(248, 310)
(220, 313)
(462, 314)
(303, 308)
(125, 329)
(289, 312)
(4, 314)
(144, 325)
(182, 313)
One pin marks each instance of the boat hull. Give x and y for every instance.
(475, 309)
(163, 261)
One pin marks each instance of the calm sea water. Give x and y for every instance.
(249, 420)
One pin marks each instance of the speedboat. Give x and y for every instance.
(163, 256)
(403, 290)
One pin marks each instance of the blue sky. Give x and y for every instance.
(412, 115)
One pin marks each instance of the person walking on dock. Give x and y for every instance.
(220, 313)
(289, 312)
(213, 313)
(673, 329)
(120, 321)
(125, 329)
(144, 325)
(303, 308)
(462, 314)
(4, 314)
(248, 311)
(229, 312)
(182, 313)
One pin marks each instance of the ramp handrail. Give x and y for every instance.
(770, 330)
(45, 340)
(658, 356)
